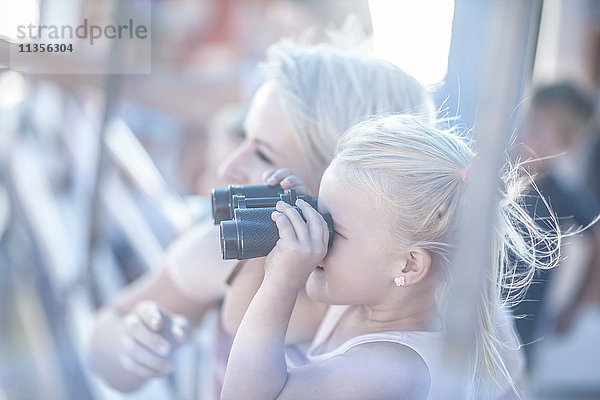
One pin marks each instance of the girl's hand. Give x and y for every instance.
(149, 338)
(302, 245)
(286, 179)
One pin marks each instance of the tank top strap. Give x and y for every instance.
(425, 344)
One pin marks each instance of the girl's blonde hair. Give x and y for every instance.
(325, 90)
(416, 172)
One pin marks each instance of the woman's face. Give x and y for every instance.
(359, 267)
(270, 144)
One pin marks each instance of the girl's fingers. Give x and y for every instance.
(267, 174)
(145, 357)
(296, 220)
(286, 230)
(278, 176)
(313, 220)
(325, 233)
(137, 330)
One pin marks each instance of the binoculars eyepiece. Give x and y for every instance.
(226, 201)
(244, 215)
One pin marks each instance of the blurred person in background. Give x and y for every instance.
(592, 176)
(310, 97)
(558, 131)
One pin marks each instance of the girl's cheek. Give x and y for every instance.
(333, 252)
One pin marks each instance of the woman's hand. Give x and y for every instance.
(302, 243)
(149, 338)
(286, 179)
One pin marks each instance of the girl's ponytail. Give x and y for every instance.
(521, 245)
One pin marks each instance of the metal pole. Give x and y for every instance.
(112, 84)
(511, 36)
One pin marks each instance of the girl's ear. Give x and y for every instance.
(418, 265)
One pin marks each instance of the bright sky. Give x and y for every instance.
(415, 35)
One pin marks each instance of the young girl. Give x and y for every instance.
(394, 190)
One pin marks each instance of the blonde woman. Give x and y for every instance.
(310, 96)
(394, 191)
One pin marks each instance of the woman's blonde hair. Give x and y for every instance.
(325, 90)
(416, 172)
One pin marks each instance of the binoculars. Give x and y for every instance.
(244, 214)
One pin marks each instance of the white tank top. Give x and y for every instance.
(427, 344)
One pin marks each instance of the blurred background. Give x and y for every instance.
(100, 171)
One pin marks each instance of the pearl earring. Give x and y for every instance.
(399, 281)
